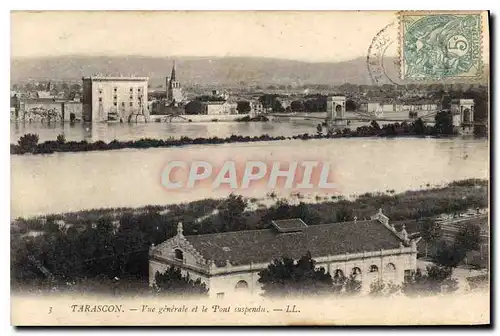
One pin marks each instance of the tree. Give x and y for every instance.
(284, 277)
(444, 123)
(28, 142)
(431, 231)
(231, 213)
(468, 237)
(61, 139)
(374, 124)
(319, 129)
(344, 213)
(350, 105)
(194, 107)
(448, 255)
(297, 106)
(436, 280)
(243, 107)
(418, 126)
(172, 282)
(271, 101)
(352, 285)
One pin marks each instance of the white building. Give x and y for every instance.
(257, 108)
(219, 108)
(119, 97)
(399, 110)
(230, 262)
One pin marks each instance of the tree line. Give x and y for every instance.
(115, 242)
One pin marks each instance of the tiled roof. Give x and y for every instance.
(257, 246)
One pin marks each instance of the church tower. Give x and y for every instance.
(174, 91)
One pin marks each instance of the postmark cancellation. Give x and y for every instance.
(440, 45)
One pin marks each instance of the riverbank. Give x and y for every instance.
(28, 143)
(115, 242)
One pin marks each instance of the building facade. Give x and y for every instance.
(114, 98)
(399, 110)
(229, 263)
(219, 108)
(257, 108)
(46, 110)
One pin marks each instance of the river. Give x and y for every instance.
(64, 182)
(123, 132)
(108, 132)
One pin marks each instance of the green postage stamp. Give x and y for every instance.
(440, 46)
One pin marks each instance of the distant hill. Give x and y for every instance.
(197, 70)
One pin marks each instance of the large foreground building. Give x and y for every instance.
(114, 98)
(229, 262)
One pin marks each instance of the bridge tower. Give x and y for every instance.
(462, 111)
(335, 111)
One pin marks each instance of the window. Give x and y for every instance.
(338, 273)
(389, 272)
(115, 103)
(356, 273)
(390, 268)
(100, 91)
(100, 99)
(407, 275)
(131, 97)
(123, 104)
(220, 295)
(131, 90)
(241, 285)
(373, 269)
(131, 103)
(179, 255)
(139, 90)
(115, 89)
(115, 97)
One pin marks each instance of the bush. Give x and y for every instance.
(28, 143)
(61, 139)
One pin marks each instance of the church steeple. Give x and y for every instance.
(172, 76)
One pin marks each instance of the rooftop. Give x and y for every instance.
(293, 238)
(116, 78)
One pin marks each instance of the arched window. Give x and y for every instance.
(389, 272)
(338, 111)
(390, 268)
(467, 115)
(356, 273)
(373, 269)
(179, 255)
(338, 274)
(241, 285)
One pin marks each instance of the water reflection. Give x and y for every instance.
(108, 132)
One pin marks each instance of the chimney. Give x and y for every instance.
(383, 219)
(404, 233)
(179, 229)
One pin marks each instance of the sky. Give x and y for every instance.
(306, 36)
